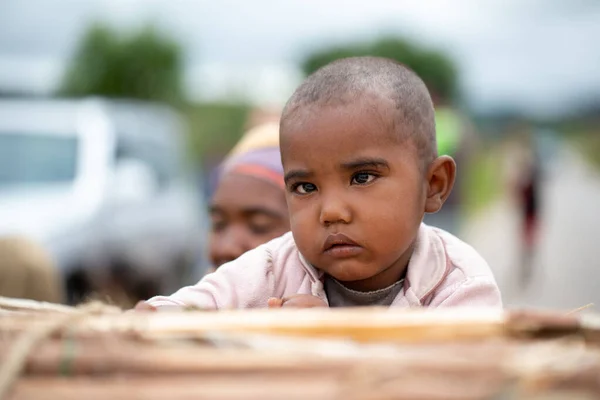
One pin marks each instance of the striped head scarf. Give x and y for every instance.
(256, 154)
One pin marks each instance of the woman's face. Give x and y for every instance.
(245, 212)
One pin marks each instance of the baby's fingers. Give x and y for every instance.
(274, 302)
(143, 306)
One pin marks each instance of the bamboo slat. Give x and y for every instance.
(374, 353)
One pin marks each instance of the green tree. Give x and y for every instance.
(144, 65)
(434, 67)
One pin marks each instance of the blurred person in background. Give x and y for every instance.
(27, 271)
(248, 207)
(527, 193)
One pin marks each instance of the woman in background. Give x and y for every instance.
(248, 206)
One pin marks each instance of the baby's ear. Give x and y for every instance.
(440, 180)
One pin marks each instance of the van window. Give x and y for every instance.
(33, 158)
(162, 161)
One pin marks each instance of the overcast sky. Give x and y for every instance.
(538, 55)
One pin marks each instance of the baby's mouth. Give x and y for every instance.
(341, 246)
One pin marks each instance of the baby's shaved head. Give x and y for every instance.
(350, 79)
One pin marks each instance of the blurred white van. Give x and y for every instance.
(104, 186)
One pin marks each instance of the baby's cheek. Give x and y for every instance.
(303, 225)
(392, 223)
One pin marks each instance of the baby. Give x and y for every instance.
(358, 147)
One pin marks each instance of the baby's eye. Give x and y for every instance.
(362, 178)
(304, 188)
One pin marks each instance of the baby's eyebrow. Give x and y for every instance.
(367, 162)
(297, 174)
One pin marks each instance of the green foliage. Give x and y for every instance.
(214, 128)
(435, 68)
(587, 143)
(482, 181)
(144, 65)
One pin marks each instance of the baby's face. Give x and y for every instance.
(356, 194)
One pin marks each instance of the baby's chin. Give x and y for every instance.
(350, 271)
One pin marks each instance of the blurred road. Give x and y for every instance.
(567, 265)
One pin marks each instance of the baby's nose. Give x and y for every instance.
(334, 210)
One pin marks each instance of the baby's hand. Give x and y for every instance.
(297, 301)
(144, 307)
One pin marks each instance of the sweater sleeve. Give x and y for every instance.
(246, 282)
